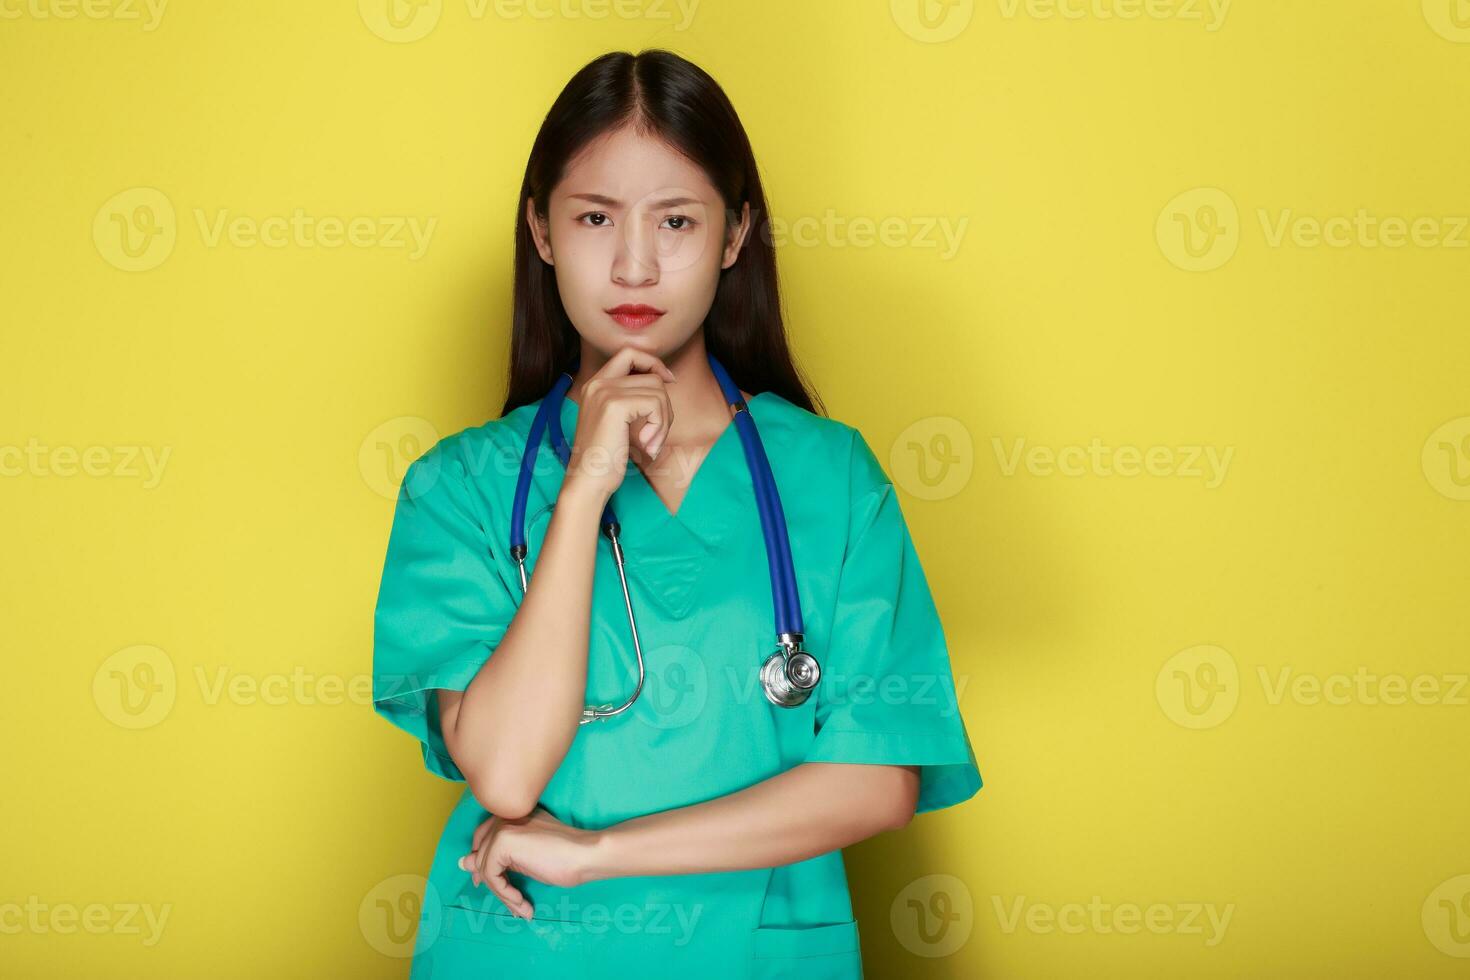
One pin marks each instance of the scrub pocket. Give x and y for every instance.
(828, 952)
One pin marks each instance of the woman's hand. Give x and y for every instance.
(537, 845)
(626, 392)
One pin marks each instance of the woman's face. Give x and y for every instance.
(634, 223)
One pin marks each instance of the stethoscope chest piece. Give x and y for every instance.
(789, 675)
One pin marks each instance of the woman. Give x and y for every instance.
(699, 829)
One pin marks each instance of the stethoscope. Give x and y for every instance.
(788, 675)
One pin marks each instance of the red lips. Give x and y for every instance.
(636, 309)
(635, 315)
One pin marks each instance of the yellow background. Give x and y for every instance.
(289, 385)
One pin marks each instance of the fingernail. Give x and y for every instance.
(462, 865)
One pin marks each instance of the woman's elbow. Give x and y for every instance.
(905, 798)
(507, 802)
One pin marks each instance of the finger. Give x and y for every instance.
(650, 438)
(632, 397)
(630, 359)
(482, 859)
(653, 406)
(481, 832)
(632, 382)
(469, 862)
(658, 410)
(483, 835)
(495, 877)
(656, 441)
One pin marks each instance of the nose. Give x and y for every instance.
(635, 262)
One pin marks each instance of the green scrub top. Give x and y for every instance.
(702, 727)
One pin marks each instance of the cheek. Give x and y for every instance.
(698, 251)
(580, 274)
(690, 293)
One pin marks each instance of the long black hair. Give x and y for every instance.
(676, 101)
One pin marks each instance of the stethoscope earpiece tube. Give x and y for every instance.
(791, 673)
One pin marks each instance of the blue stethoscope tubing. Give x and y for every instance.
(788, 675)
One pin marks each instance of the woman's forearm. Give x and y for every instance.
(511, 727)
(807, 810)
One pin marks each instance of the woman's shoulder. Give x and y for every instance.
(827, 448)
(483, 452)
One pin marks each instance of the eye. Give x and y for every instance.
(595, 214)
(688, 222)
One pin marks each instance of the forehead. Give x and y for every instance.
(629, 167)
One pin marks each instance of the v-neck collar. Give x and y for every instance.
(642, 513)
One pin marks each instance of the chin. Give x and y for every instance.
(609, 344)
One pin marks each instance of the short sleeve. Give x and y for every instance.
(887, 692)
(441, 607)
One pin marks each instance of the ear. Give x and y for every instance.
(735, 236)
(540, 232)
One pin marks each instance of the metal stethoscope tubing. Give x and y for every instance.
(789, 674)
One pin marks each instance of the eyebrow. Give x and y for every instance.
(668, 202)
